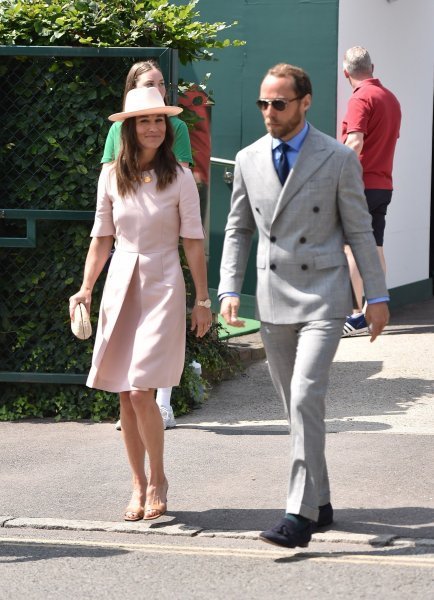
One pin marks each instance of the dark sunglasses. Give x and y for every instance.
(279, 104)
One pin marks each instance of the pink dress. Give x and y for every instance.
(140, 340)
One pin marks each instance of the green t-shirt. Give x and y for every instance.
(181, 145)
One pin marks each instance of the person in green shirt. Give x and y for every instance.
(148, 74)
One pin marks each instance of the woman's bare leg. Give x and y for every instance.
(136, 457)
(151, 429)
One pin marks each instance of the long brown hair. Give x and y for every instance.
(128, 172)
(138, 69)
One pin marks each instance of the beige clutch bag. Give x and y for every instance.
(81, 326)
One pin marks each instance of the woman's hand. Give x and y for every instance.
(83, 297)
(201, 320)
(97, 255)
(201, 317)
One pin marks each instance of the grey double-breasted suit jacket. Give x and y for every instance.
(302, 272)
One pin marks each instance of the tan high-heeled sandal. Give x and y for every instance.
(156, 510)
(134, 515)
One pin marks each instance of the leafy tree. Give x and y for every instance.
(157, 23)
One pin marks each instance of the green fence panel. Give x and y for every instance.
(55, 103)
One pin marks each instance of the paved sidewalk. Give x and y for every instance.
(227, 462)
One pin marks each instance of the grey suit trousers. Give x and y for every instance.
(299, 359)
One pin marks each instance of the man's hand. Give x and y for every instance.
(377, 317)
(229, 310)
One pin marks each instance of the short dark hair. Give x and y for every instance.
(302, 84)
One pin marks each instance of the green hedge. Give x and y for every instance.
(71, 402)
(51, 142)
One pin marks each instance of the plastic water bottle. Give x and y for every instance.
(197, 369)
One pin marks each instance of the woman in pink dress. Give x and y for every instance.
(146, 201)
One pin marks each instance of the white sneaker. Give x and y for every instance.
(168, 417)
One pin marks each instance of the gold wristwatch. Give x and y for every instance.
(205, 303)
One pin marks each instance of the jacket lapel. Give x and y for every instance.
(312, 155)
(263, 179)
(262, 162)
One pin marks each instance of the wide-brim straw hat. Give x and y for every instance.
(144, 101)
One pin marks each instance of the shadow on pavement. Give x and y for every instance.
(402, 522)
(409, 329)
(370, 553)
(250, 429)
(25, 551)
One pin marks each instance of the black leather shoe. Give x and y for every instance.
(286, 534)
(325, 516)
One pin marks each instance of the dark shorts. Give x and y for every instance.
(378, 201)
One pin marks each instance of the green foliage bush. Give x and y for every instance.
(72, 402)
(50, 147)
(156, 23)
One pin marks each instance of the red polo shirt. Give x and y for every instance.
(200, 135)
(374, 111)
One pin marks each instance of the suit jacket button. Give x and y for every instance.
(302, 240)
(304, 267)
(257, 209)
(272, 267)
(316, 209)
(273, 238)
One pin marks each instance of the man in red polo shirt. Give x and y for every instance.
(371, 129)
(197, 101)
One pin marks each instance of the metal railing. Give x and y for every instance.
(228, 174)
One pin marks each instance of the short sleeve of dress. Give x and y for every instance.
(103, 224)
(189, 207)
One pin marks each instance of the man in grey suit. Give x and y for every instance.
(303, 192)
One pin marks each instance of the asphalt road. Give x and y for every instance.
(64, 487)
(57, 564)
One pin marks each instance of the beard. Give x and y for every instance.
(285, 129)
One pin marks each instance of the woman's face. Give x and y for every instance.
(152, 78)
(150, 131)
